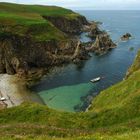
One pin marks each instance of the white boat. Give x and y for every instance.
(95, 79)
(2, 99)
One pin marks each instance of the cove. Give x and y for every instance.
(67, 86)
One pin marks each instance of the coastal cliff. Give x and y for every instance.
(37, 39)
(34, 37)
(21, 54)
(70, 26)
(32, 42)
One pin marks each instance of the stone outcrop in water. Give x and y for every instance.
(94, 30)
(80, 53)
(101, 44)
(125, 37)
(101, 41)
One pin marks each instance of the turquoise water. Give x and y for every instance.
(66, 87)
(53, 97)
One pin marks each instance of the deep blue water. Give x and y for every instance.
(63, 87)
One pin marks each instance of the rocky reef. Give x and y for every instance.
(102, 44)
(93, 30)
(126, 37)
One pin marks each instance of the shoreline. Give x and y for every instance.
(14, 90)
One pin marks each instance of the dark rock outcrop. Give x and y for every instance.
(69, 26)
(102, 44)
(100, 40)
(21, 54)
(125, 37)
(94, 31)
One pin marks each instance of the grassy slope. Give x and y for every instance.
(36, 9)
(26, 20)
(135, 66)
(114, 114)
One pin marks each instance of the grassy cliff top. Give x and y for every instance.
(24, 19)
(27, 10)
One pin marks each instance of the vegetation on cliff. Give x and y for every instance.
(114, 114)
(28, 20)
(33, 40)
(135, 66)
(39, 37)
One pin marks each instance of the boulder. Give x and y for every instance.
(102, 44)
(126, 36)
(92, 29)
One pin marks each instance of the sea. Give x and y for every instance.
(68, 87)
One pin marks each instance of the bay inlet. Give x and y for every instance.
(67, 87)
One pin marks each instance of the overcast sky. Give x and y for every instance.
(86, 4)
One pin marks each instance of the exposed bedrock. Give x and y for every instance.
(21, 54)
(126, 36)
(70, 26)
(94, 30)
(102, 43)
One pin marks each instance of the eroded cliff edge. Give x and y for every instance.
(36, 38)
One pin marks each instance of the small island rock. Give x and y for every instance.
(126, 36)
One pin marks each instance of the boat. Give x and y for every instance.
(95, 79)
(2, 99)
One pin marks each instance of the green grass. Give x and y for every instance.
(114, 114)
(38, 9)
(27, 20)
(135, 66)
(125, 136)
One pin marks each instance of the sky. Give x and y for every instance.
(86, 4)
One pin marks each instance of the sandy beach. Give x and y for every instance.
(14, 90)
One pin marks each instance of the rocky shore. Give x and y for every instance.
(13, 90)
(101, 45)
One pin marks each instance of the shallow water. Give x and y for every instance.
(64, 86)
(67, 92)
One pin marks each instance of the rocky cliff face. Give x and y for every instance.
(101, 44)
(67, 25)
(21, 54)
(29, 43)
(46, 42)
(94, 30)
